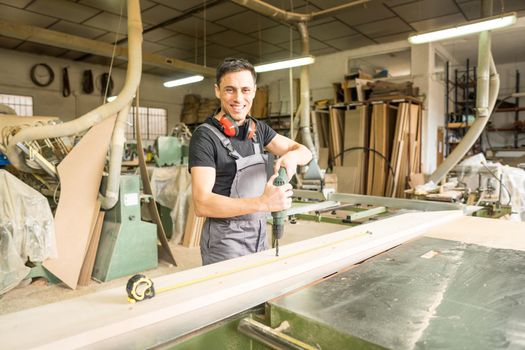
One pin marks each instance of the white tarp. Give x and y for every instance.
(26, 230)
(171, 187)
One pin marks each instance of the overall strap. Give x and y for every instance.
(257, 147)
(224, 140)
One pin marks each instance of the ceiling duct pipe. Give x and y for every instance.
(487, 93)
(100, 113)
(301, 21)
(118, 139)
(292, 17)
(487, 85)
(304, 125)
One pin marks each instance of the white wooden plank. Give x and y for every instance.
(206, 294)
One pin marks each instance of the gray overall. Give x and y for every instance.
(229, 238)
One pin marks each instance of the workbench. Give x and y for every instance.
(421, 277)
(429, 293)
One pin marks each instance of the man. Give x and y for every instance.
(228, 169)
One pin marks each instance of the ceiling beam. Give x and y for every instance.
(77, 43)
(186, 14)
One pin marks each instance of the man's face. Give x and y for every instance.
(236, 92)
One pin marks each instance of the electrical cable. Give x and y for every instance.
(49, 71)
(368, 149)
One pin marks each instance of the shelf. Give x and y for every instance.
(510, 109)
(458, 125)
(506, 129)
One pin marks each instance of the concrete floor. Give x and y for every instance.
(38, 292)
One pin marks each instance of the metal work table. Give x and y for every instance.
(426, 294)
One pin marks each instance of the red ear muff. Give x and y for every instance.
(252, 127)
(229, 126)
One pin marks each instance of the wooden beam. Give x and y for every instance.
(77, 43)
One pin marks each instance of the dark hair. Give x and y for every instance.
(232, 64)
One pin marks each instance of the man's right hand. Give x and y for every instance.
(277, 198)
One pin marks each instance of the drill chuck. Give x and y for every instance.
(277, 230)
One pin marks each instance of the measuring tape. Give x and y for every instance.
(139, 287)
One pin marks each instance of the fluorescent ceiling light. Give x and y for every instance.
(296, 62)
(469, 28)
(184, 81)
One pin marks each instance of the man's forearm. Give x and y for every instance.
(218, 206)
(302, 154)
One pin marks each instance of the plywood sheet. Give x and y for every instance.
(356, 136)
(336, 142)
(89, 261)
(348, 180)
(80, 175)
(378, 142)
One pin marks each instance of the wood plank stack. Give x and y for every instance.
(406, 150)
(385, 141)
(336, 138)
(356, 125)
(382, 126)
(348, 140)
(190, 108)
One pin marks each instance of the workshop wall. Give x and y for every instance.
(48, 101)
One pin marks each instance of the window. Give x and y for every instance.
(23, 105)
(153, 123)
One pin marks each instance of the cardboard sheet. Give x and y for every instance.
(80, 175)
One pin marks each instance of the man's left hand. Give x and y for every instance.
(288, 162)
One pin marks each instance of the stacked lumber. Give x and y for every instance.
(385, 89)
(382, 127)
(190, 107)
(355, 140)
(348, 136)
(406, 150)
(207, 107)
(193, 229)
(336, 138)
(260, 103)
(385, 141)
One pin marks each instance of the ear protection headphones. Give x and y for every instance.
(230, 128)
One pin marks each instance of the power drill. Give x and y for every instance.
(278, 216)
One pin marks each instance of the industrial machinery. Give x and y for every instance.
(127, 244)
(173, 149)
